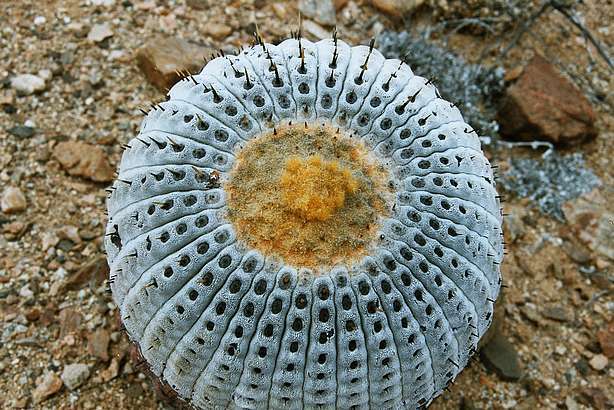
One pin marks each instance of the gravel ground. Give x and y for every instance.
(61, 133)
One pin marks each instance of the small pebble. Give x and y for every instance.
(74, 375)
(598, 362)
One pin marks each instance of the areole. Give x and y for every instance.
(302, 225)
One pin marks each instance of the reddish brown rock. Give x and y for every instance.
(46, 386)
(98, 344)
(544, 105)
(396, 8)
(84, 160)
(13, 200)
(162, 59)
(595, 398)
(93, 273)
(606, 340)
(70, 321)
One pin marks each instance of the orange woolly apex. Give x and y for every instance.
(314, 188)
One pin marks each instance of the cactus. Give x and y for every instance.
(304, 225)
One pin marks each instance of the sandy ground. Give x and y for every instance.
(559, 294)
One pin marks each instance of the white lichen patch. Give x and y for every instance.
(228, 324)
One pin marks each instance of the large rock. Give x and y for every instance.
(85, 160)
(544, 105)
(162, 58)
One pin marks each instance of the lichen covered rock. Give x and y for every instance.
(377, 183)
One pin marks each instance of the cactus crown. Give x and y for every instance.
(305, 224)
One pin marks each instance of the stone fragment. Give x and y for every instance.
(339, 4)
(500, 356)
(606, 340)
(199, 4)
(98, 344)
(162, 59)
(577, 252)
(571, 404)
(49, 240)
(591, 221)
(93, 273)
(110, 372)
(99, 32)
(595, 398)
(27, 84)
(557, 313)
(598, 362)
(12, 201)
(70, 321)
(544, 105)
(315, 29)
(322, 11)
(74, 375)
(85, 160)
(22, 131)
(47, 386)
(217, 30)
(70, 232)
(397, 8)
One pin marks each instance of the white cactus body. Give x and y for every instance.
(225, 326)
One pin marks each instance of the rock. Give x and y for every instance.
(70, 321)
(162, 58)
(557, 313)
(27, 84)
(322, 11)
(110, 372)
(25, 292)
(65, 245)
(98, 344)
(497, 321)
(500, 356)
(217, 30)
(514, 225)
(544, 105)
(46, 387)
(397, 8)
(339, 4)
(22, 131)
(93, 273)
(582, 366)
(85, 160)
(199, 4)
(578, 253)
(595, 398)
(12, 201)
(74, 375)
(606, 340)
(591, 221)
(598, 362)
(571, 404)
(99, 32)
(315, 30)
